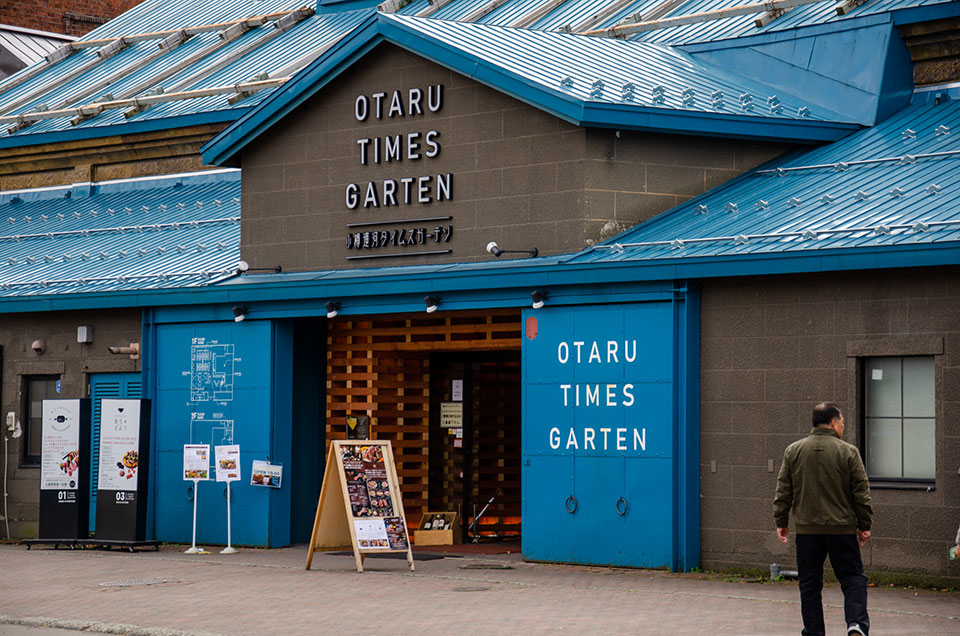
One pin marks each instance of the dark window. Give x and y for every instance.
(900, 418)
(36, 388)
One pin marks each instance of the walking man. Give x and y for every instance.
(823, 480)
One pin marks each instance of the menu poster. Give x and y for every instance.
(396, 533)
(359, 485)
(196, 461)
(371, 534)
(60, 445)
(367, 484)
(119, 444)
(264, 474)
(228, 462)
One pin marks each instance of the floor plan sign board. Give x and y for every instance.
(360, 505)
(211, 372)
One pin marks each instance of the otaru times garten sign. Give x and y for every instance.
(416, 235)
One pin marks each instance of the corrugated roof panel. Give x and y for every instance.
(30, 46)
(125, 235)
(866, 185)
(546, 58)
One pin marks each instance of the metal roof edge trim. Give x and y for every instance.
(571, 274)
(718, 124)
(126, 128)
(223, 149)
(913, 15)
(786, 35)
(114, 185)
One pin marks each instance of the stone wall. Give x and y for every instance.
(772, 347)
(64, 357)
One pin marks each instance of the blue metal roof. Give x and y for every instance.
(891, 186)
(161, 232)
(139, 68)
(236, 61)
(588, 81)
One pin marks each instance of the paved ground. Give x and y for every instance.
(268, 593)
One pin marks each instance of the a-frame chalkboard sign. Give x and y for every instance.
(360, 505)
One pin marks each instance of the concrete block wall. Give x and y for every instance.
(521, 176)
(774, 346)
(65, 357)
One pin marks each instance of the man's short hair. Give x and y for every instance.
(824, 413)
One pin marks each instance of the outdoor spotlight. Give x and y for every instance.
(538, 297)
(243, 266)
(494, 249)
(333, 307)
(432, 303)
(239, 313)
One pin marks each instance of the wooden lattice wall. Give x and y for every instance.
(380, 367)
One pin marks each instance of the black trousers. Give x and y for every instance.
(844, 552)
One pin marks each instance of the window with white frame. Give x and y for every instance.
(900, 418)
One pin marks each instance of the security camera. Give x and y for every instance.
(39, 346)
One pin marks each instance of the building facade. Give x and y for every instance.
(685, 258)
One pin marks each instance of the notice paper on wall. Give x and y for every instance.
(196, 461)
(264, 474)
(228, 462)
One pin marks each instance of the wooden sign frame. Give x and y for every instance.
(334, 527)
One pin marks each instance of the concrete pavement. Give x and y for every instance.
(268, 593)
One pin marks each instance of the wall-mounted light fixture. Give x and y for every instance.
(85, 334)
(243, 267)
(432, 303)
(333, 308)
(38, 346)
(494, 249)
(239, 313)
(538, 297)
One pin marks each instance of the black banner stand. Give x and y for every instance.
(65, 512)
(122, 514)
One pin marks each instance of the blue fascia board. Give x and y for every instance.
(787, 35)
(714, 124)
(510, 283)
(126, 128)
(927, 13)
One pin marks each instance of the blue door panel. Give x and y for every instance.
(648, 496)
(546, 525)
(599, 419)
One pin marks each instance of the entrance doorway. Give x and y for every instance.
(475, 468)
(382, 368)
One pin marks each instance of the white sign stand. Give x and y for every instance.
(196, 493)
(229, 549)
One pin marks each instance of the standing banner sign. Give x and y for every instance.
(196, 468)
(64, 470)
(122, 486)
(360, 504)
(228, 470)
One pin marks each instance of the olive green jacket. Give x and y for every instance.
(823, 480)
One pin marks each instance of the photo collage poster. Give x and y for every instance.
(378, 526)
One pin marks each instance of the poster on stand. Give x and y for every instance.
(266, 474)
(119, 445)
(122, 478)
(60, 444)
(228, 462)
(196, 461)
(64, 469)
(360, 502)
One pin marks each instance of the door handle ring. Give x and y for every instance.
(621, 506)
(567, 503)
